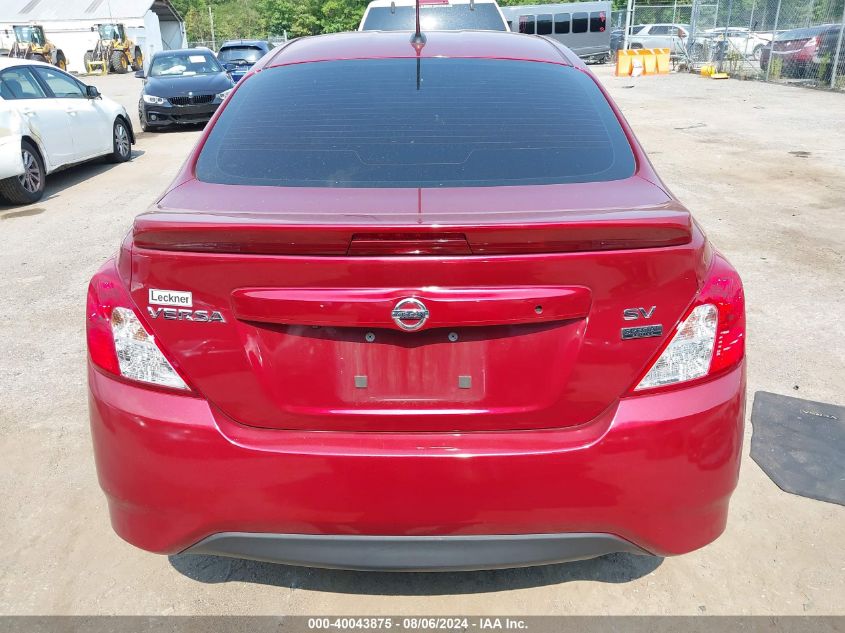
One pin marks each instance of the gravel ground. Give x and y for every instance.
(763, 169)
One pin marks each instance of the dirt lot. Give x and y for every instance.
(763, 168)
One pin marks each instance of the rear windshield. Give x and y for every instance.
(250, 54)
(455, 17)
(392, 123)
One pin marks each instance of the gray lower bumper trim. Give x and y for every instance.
(413, 553)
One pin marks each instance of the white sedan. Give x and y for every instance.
(54, 120)
(745, 41)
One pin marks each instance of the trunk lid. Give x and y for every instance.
(414, 310)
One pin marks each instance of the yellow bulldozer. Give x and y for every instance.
(31, 43)
(113, 52)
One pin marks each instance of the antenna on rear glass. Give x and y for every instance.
(418, 39)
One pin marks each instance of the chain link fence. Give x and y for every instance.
(794, 41)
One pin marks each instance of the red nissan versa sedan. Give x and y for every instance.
(417, 312)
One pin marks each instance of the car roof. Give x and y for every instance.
(805, 31)
(198, 49)
(9, 62)
(397, 44)
(244, 42)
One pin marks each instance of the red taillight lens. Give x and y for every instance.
(709, 340)
(724, 289)
(812, 42)
(682, 33)
(118, 342)
(105, 292)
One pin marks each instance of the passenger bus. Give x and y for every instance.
(582, 26)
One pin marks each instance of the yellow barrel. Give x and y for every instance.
(623, 63)
(649, 60)
(663, 61)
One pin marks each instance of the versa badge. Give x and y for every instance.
(172, 314)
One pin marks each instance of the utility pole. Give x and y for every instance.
(693, 22)
(628, 15)
(726, 41)
(838, 51)
(772, 48)
(211, 21)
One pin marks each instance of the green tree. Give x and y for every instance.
(341, 15)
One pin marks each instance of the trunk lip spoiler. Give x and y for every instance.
(580, 232)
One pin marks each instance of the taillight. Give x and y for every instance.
(118, 342)
(682, 33)
(709, 340)
(812, 42)
(104, 293)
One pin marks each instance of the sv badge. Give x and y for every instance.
(173, 314)
(632, 314)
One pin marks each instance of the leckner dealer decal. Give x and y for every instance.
(175, 298)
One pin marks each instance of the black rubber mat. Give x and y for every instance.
(800, 444)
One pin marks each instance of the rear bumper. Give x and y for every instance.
(413, 553)
(653, 473)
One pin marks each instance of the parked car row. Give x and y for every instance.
(803, 52)
(185, 87)
(50, 120)
(677, 38)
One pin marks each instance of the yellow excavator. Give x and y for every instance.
(31, 43)
(113, 51)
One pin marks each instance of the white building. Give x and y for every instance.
(153, 25)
